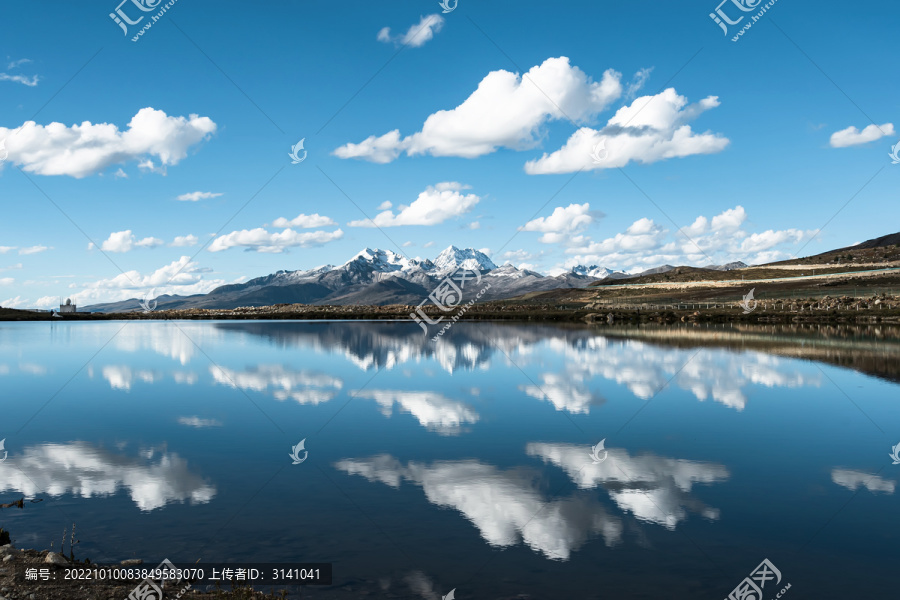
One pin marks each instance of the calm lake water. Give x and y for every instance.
(464, 463)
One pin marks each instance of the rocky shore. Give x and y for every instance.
(14, 563)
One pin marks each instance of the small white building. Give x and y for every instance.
(68, 307)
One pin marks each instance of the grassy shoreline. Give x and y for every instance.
(772, 310)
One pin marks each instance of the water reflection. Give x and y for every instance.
(852, 480)
(85, 470)
(653, 488)
(303, 386)
(507, 506)
(642, 367)
(434, 411)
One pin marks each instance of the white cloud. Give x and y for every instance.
(261, 240)
(428, 244)
(34, 249)
(29, 81)
(720, 239)
(5, 249)
(124, 241)
(433, 206)
(385, 205)
(417, 35)
(16, 302)
(17, 63)
(196, 196)
(562, 223)
(7, 280)
(506, 110)
(87, 149)
(178, 277)
(637, 83)
(650, 129)
(473, 225)
(758, 242)
(185, 240)
(304, 221)
(854, 137)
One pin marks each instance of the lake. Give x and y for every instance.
(471, 463)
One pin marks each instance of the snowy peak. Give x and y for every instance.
(454, 258)
(592, 271)
(382, 261)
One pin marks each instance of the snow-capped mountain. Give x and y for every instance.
(594, 271)
(453, 258)
(375, 277)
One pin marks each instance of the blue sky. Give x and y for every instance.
(712, 150)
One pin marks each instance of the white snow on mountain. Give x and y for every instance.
(454, 258)
(592, 271)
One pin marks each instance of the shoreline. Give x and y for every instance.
(885, 309)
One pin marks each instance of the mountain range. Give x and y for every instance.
(381, 277)
(376, 277)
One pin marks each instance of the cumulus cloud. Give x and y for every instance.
(562, 223)
(417, 35)
(181, 276)
(185, 240)
(88, 148)
(7, 280)
(124, 241)
(505, 111)
(261, 240)
(435, 205)
(650, 129)
(196, 196)
(854, 137)
(304, 221)
(720, 239)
